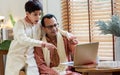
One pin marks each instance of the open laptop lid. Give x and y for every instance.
(85, 53)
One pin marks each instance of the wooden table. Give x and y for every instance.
(114, 71)
(2, 52)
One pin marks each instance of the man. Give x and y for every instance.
(48, 61)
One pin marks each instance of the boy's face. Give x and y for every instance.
(34, 17)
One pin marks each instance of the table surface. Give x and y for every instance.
(98, 70)
(3, 52)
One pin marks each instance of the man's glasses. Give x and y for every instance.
(51, 26)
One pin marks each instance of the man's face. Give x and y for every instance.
(34, 17)
(50, 26)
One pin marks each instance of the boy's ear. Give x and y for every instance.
(43, 28)
(27, 13)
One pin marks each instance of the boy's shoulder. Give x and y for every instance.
(20, 21)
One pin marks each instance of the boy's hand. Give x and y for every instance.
(48, 46)
(72, 39)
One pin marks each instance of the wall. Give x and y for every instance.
(53, 7)
(14, 7)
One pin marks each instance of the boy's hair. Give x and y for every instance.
(49, 16)
(32, 6)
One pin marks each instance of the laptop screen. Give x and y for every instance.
(85, 53)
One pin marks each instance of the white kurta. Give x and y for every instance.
(21, 49)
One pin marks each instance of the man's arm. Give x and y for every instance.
(43, 68)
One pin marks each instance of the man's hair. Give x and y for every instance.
(49, 16)
(31, 6)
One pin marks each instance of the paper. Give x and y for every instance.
(71, 63)
(109, 64)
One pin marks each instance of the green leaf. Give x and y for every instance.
(12, 19)
(110, 27)
(5, 45)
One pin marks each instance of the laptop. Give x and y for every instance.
(85, 55)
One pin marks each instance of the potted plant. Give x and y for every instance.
(112, 27)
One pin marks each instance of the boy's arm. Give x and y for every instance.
(20, 35)
(69, 36)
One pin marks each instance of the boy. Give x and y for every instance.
(26, 35)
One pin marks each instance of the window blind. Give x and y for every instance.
(79, 17)
(116, 7)
(101, 10)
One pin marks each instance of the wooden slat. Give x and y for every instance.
(79, 21)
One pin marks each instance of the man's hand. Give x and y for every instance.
(50, 72)
(48, 46)
(72, 73)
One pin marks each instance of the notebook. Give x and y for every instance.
(85, 55)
